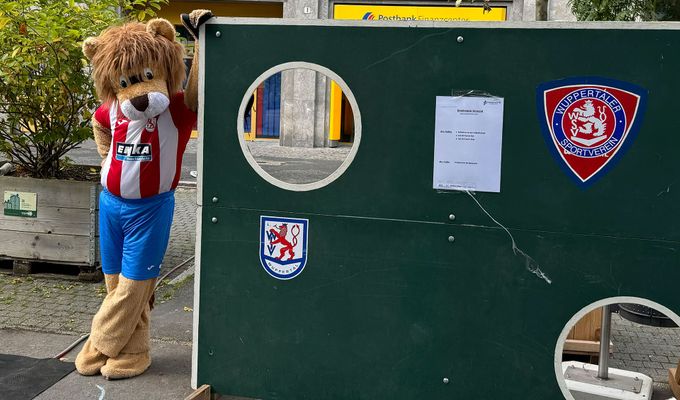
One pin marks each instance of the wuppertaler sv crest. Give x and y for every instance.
(283, 246)
(588, 123)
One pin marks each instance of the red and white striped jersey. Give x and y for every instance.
(145, 156)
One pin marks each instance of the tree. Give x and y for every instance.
(46, 94)
(626, 10)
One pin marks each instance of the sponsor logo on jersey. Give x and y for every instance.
(133, 152)
(151, 124)
(588, 123)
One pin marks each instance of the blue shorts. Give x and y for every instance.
(134, 234)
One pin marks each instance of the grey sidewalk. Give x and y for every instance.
(646, 349)
(167, 378)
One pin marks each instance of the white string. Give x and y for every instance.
(530, 264)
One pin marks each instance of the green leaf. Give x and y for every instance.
(43, 83)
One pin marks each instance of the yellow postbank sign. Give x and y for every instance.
(451, 13)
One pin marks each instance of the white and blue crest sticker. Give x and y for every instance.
(283, 246)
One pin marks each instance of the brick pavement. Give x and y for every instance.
(183, 234)
(646, 349)
(48, 305)
(39, 303)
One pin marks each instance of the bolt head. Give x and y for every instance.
(452, 217)
(452, 239)
(218, 34)
(459, 39)
(446, 381)
(214, 220)
(215, 199)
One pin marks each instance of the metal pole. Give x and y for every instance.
(605, 333)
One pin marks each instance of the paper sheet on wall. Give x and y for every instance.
(467, 143)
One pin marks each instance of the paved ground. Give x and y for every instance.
(167, 378)
(297, 165)
(646, 349)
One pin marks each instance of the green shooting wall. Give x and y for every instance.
(387, 306)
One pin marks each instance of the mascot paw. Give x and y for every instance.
(126, 365)
(195, 19)
(90, 360)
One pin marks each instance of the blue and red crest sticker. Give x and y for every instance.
(283, 246)
(588, 123)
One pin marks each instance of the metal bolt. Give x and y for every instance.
(215, 199)
(214, 220)
(451, 239)
(459, 39)
(218, 34)
(446, 381)
(452, 217)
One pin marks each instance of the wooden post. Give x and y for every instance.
(202, 393)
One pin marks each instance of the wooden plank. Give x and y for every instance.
(51, 192)
(202, 393)
(574, 346)
(674, 381)
(50, 220)
(45, 247)
(588, 327)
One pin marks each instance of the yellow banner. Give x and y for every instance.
(417, 13)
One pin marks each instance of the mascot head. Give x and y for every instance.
(139, 65)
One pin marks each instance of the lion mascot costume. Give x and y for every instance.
(141, 131)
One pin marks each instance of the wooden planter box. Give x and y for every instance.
(64, 231)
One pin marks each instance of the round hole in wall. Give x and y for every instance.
(299, 126)
(644, 343)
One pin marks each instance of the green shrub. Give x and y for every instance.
(46, 94)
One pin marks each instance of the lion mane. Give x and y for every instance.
(128, 49)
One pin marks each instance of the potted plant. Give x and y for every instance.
(46, 102)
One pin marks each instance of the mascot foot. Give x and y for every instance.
(90, 360)
(126, 365)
